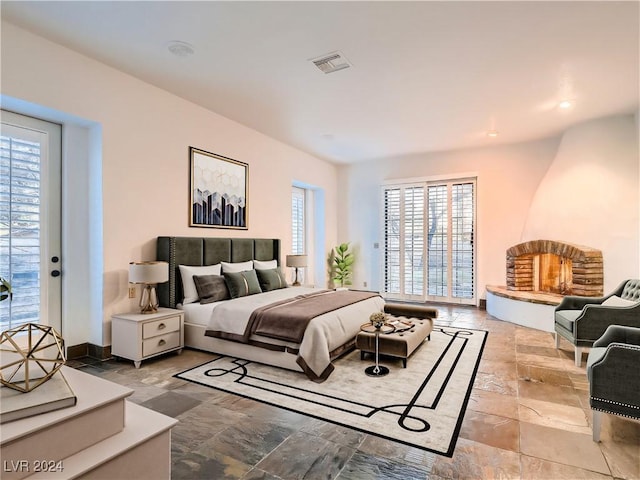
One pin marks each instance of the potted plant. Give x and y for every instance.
(5, 290)
(343, 264)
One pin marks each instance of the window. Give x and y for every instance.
(298, 223)
(432, 221)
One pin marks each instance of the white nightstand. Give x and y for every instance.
(138, 336)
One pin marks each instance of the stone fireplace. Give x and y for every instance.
(555, 267)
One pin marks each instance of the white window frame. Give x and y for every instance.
(426, 183)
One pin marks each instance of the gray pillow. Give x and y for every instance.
(211, 288)
(271, 279)
(241, 284)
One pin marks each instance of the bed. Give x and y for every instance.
(210, 326)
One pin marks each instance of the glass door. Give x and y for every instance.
(451, 242)
(30, 159)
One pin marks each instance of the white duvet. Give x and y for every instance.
(324, 333)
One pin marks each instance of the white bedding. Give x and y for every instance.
(324, 333)
(198, 314)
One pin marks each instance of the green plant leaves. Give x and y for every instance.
(5, 289)
(343, 262)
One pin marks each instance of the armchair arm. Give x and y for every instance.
(619, 334)
(595, 319)
(571, 302)
(614, 381)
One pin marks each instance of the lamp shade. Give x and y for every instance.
(297, 261)
(148, 272)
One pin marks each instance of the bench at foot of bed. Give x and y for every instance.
(403, 342)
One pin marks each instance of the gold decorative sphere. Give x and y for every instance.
(29, 356)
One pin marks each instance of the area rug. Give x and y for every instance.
(422, 405)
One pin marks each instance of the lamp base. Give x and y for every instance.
(376, 371)
(296, 282)
(149, 300)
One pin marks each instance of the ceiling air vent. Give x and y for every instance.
(331, 62)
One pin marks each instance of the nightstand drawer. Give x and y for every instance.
(160, 344)
(158, 327)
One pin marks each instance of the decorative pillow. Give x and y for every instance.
(241, 284)
(237, 267)
(615, 301)
(211, 288)
(265, 265)
(188, 286)
(271, 279)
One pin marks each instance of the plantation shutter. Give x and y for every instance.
(20, 221)
(404, 241)
(297, 221)
(429, 248)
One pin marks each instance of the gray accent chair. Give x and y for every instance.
(613, 369)
(582, 320)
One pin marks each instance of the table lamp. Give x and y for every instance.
(149, 274)
(296, 261)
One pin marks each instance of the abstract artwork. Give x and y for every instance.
(219, 187)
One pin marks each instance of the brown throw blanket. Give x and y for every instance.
(288, 319)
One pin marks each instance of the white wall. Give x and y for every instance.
(507, 178)
(146, 133)
(581, 187)
(590, 195)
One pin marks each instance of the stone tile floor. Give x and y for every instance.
(528, 417)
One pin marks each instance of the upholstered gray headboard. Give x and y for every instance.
(201, 251)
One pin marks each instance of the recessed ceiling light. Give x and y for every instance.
(492, 133)
(180, 49)
(565, 104)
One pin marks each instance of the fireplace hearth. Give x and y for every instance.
(555, 267)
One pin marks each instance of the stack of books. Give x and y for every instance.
(53, 394)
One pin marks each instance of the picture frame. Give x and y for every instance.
(219, 188)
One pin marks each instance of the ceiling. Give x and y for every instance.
(425, 76)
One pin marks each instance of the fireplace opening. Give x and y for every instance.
(555, 267)
(552, 273)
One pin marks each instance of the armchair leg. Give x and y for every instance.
(597, 423)
(578, 356)
(557, 341)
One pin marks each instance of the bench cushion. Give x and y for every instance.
(410, 310)
(397, 344)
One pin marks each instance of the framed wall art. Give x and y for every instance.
(219, 188)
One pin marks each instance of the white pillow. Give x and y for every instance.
(237, 267)
(265, 265)
(188, 285)
(615, 301)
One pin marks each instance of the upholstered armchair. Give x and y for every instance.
(613, 369)
(582, 320)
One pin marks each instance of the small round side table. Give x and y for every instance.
(377, 370)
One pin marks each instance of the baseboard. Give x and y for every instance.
(88, 350)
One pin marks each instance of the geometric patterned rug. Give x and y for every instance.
(422, 405)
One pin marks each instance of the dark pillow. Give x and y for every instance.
(211, 288)
(271, 279)
(241, 284)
